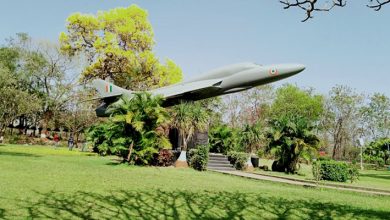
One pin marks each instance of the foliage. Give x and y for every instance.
(9, 58)
(316, 169)
(42, 74)
(99, 136)
(48, 74)
(199, 157)
(118, 44)
(353, 173)
(292, 101)
(341, 119)
(78, 115)
(291, 139)
(189, 118)
(14, 102)
(247, 107)
(238, 159)
(136, 129)
(222, 139)
(250, 137)
(378, 152)
(376, 116)
(335, 171)
(211, 105)
(164, 158)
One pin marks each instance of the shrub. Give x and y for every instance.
(334, 171)
(265, 168)
(19, 139)
(199, 157)
(316, 168)
(353, 173)
(324, 158)
(378, 161)
(164, 158)
(232, 156)
(238, 159)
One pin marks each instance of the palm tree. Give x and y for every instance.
(250, 137)
(188, 118)
(139, 123)
(291, 139)
(222, 139)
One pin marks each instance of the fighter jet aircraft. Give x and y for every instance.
(224, 80)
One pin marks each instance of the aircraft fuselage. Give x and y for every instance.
(225, 80)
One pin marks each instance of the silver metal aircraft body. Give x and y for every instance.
(224, 80)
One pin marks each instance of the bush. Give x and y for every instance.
(334, 171)
(378, 161)
(14, 139)
(238, 159)
(324, 158)
(316, 169)
(199, 157)
(265, 168)
(164, 158)
(277, 166)
(353, 173)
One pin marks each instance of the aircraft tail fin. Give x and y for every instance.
(107, 89)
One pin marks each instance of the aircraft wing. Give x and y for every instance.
(188, 91)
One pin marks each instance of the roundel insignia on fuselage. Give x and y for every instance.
(273, 71)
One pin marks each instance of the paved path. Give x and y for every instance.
(298, 182)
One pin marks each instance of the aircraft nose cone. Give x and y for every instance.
(290, 69)
(298, 68)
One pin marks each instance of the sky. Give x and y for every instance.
(347, 46)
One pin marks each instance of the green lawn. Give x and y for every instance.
(45, 183)
(377, 179)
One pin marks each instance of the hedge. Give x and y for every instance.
(334, 171)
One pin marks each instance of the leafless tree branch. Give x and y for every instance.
(377, 4)
(311, 5)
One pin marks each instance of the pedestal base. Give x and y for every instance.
(181, 164)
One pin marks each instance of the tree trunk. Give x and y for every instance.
(130, 151)
(184, 142)
(292, 166)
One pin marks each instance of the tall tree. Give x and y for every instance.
(14, 102)
(78, 114)
(118, 45)
(376, 116)
(341, 119)
(255, 105)
(291, 101)
(42, 70)
(247, 107)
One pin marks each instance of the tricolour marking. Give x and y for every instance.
(273, 71)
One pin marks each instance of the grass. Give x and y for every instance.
(377, 179)
(46, 183)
